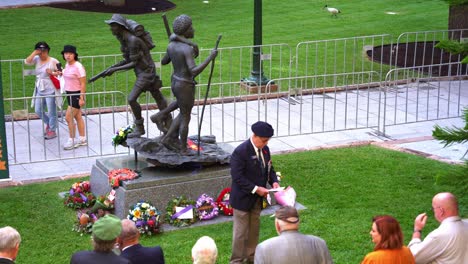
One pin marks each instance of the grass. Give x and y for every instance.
(341, 188)
(288, 22)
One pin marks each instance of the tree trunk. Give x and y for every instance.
(458, 19)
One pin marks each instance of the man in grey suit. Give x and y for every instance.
(291, 246)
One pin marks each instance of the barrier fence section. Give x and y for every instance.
(26, 142)
(419, 96)
(321, 86)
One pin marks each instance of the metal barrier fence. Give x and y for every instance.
(421, 97)
(327, 85)
(25, 134)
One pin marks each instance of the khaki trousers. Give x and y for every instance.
(245, 234)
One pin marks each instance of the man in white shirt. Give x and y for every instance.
(449, 242)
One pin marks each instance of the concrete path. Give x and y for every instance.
(30, 156)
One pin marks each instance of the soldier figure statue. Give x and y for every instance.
(136, 44)
(181, 53)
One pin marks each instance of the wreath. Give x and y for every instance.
(206, 207)
(146, 217)
(120, 137)
(79, 196)
(223, 202)
(175, 210)
(118, 175)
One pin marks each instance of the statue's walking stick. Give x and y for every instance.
(206, 97)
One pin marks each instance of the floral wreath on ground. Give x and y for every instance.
(85, 218)
(175, 210)
(146, 218)
(223, 202)
(206, 207)
(79, 196)
(116, 176)
(120, 137)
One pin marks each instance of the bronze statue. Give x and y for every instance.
(181, 53)
(136, 44)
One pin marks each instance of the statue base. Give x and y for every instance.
(158, 185)
(253, 89)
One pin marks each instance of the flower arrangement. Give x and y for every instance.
(84, 222)
(181, 212)
(120, 137)
(223, 202)
(85, 218)
(146, 217)
(206, 207)
(279, 176)
(79, 196)
(116, 176)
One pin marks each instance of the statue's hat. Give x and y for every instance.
(117, 18)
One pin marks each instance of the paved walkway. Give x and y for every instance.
(29, 152)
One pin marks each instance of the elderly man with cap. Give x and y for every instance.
(251, 169)
(137, 56)
(105, 233)
(291, 246)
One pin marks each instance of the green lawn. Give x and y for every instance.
(284, 22)
(341, 188)
(287, 22)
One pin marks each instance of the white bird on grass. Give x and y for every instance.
(332, 10)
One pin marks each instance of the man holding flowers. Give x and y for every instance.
(251, 169)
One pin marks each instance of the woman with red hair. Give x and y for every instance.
(388, 239)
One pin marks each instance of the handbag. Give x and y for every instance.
(55, 81)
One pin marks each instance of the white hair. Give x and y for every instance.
(9, 238)
(204, 251)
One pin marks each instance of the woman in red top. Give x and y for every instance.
(388, 239)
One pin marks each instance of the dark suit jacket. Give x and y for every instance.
(138, 254)
(246, 173)
(93, 257)
(6, 261)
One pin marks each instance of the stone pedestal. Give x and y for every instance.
(158, 185)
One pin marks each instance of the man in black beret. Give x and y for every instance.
(251, 169)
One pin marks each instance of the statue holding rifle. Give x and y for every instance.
(136, 44)
(181, 53)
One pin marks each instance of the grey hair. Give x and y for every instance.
(9, 238)
(204, 251)
(181, 24)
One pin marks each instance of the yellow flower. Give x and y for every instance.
(137, 213)
(121, 133)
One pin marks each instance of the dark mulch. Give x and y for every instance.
(413, 54)
(131, 7)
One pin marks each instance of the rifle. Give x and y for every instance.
(206, 96)
(166, 25)
(97, 76)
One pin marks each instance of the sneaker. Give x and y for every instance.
(81, 142)
(69, 145)
(50, 134)
(47, 129)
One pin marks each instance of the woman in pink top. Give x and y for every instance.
(388, 239)
(75, 87)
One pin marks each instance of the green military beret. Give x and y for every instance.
(107, 227)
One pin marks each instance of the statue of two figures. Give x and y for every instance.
(135, 45)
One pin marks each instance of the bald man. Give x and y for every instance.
(449, 242)
(129, 243)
